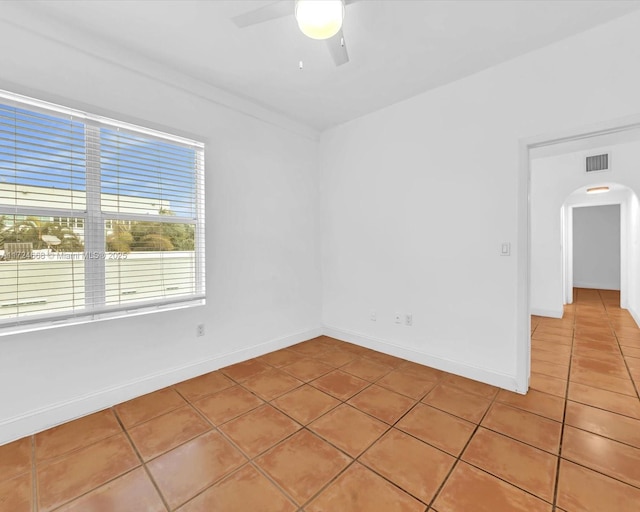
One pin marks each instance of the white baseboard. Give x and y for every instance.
(596, 286)
(635, 316)
(547, 312)
(472, 372)
(76, 407)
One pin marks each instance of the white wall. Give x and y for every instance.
(417, 199)
(262, 241)
(596, 247)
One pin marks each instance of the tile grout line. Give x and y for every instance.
(355, 460)
(305, 427)
(249, 459)
(564, 417)
(459, 457)
(58, 458)
(602, 408)
(213, 428)
(519, 440)
(252, 460)
(624, 359)
(599, 472)
(624, 443)
(605, 437)
(34, 475)
(213, 484)
(202, 416)
(392, 426)
(266, 475)
(342, 402)
(327, 484)
(141, 459)
(106, 482)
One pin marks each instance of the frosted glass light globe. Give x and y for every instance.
(319, 19)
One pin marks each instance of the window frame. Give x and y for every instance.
(93, 219)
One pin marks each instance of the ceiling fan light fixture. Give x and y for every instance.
(319, 19)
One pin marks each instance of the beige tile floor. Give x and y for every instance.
(326, 426)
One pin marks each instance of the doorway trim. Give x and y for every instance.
(523, 234)
(568, 208)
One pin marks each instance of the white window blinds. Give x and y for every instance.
(97, 217)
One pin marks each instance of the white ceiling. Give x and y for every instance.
(397, 48)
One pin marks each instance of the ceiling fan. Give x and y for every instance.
(317, 19)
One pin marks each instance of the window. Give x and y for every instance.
(97, 218)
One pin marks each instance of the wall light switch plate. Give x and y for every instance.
(505, 249)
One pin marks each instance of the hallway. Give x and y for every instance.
(595, 344)
(592, 357)
(330, 426)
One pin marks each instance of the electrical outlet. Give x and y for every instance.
(408, 319)
(373, 316)
(200, 330)
(398, 318)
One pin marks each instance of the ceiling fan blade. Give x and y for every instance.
(338, 49)
(272, 11)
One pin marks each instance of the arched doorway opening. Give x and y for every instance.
(590, 225)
